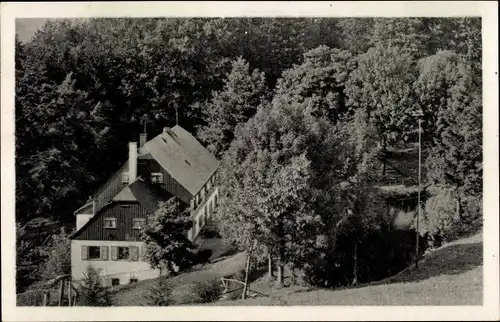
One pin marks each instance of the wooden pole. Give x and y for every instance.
(69, 292)
(418, 204)
(61, 291)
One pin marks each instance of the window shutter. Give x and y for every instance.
(114, 253)
(104, 253)
(85, 252)
(134, 253)
(143, 253)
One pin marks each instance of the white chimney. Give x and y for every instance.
(132, 161)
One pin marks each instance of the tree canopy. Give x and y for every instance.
(298, 110)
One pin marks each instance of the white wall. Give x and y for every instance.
(124, 270)
(199, 211)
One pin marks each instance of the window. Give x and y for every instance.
(138, 223)
(123, 253)
(115, 281)
(94, 252)
(109, 222)
(125, 177)
(157, 177)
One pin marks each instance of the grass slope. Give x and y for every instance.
(134, 294)
(450, 275)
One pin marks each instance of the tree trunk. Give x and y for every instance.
(46, 298)
(245, 287)
(384, 150)
(459, 215)
(270, 267)
(61, 291)
(69, 292)
(355, 270)
(279, 280)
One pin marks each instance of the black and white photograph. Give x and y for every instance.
(249, 161)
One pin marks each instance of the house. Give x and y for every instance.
(173, 164)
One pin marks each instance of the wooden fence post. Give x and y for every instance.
(69, 292)
(61, 291)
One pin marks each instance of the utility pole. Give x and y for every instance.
(419, 183)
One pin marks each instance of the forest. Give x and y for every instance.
(299, 110)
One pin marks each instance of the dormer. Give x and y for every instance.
(84, 214)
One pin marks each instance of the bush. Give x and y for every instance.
(207, 291)
(92, 292)
(202, 256)
(58, 256)
(472, 208)
(160, 294)
(440, 219)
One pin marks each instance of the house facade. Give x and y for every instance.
(173, 164)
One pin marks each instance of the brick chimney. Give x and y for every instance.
(143, 137)
(132, 161)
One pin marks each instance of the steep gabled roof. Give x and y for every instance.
(147, 195)
(183, 157)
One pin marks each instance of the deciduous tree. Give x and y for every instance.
(244, 90)
(165, 236)
(319, 81)
(382, 85)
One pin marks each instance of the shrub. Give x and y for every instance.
(58, 256)
(92, 292)
(160, 294)
(472, 208)
(202, 256)
(207, 291)
(440, 219)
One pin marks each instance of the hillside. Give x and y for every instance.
(450, 275)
